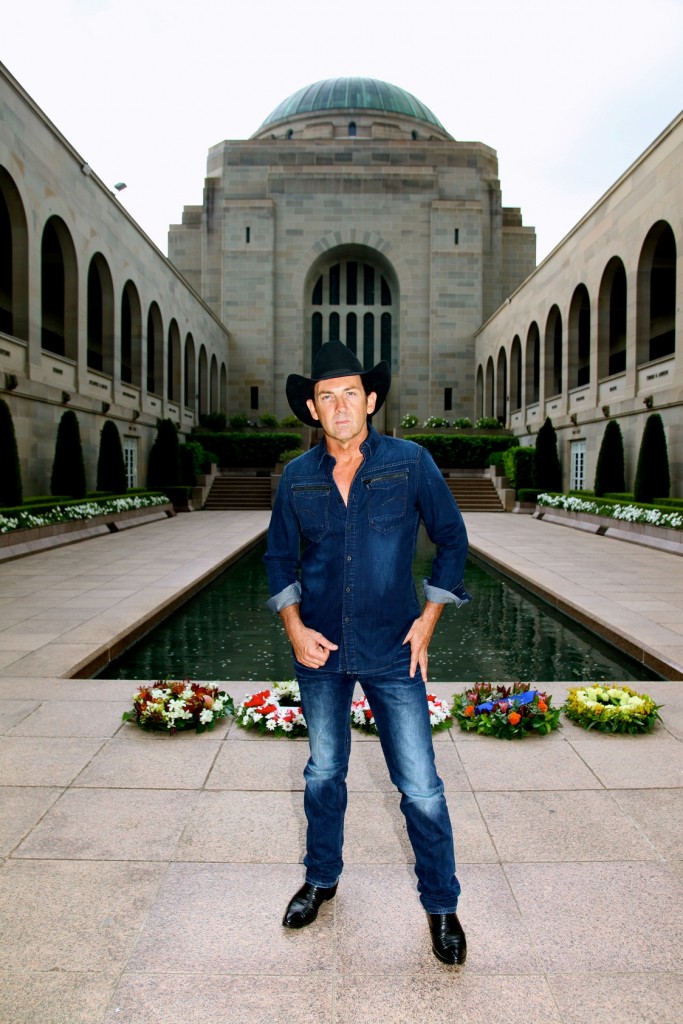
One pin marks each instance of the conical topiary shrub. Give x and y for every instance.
(68, 468)
(547, 470)
(111, 469)
(652, 473)
(610, 476)
(10, 469)
(164, 458)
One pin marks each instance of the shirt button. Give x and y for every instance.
(347, 619)
(348, 590)
(348, 558)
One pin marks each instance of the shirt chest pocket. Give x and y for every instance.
(387, 499)
(311, 504)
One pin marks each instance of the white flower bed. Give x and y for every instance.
(72, 513)
(627, 513)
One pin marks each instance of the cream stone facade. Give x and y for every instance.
(592, 333)
(93, 317)
(352, 213)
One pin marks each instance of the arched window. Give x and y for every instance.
(479, 393)
(203, 381)
(131, 336)
(339, 286)
(612, 320)
(155, 351)
(352, 127)
(190, 373)
(579, 338)
(59, 290)
(516, 374)
(173, 363)
(553, 353)
(532, 376)
(13, 260)
(223, 397)
(214, 385)
(100, 316)
(352, 331)
(656, 317)
(368, 341)
(490, 389)
(501, 387)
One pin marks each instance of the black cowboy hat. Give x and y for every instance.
(335, 360)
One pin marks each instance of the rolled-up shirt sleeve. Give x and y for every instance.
(446, 529)
(282, 558)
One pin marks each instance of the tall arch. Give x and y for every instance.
(479, 393)
(352, 294)
(13, 260)
(223, 393)
(516, 374)
(100, 316)
(656, 316)
(501, 387)
(612, 320)
(58, 290)
(173, 368)
(213, 385)
(203, 382)
(532, 364)
(579, 338)
(131, 336)
(190, 374)
(489, 389)
(155, 351)
(553, 353)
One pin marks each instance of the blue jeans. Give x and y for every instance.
(400, 709)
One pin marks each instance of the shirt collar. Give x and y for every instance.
(368, 447)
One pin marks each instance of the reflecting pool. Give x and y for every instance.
(505, 634)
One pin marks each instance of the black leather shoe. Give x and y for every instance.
(304, 905)
(448, 939)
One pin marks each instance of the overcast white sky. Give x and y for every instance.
(568, 93)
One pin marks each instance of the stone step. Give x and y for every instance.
(475, 494)
(235, 492)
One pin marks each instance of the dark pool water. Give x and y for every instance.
(505, 634)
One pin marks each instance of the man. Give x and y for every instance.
(341, 544)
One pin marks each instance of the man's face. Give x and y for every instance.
(342, 407)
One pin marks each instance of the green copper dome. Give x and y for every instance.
(351, 94)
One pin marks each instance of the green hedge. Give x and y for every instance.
(470, 452)
(238, 450)
(518, 464)
(528, 494)
(659, 503)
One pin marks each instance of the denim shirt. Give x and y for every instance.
(350, 566)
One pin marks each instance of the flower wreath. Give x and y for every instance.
(611, 709)
(506, 712)
(276, 711)
(362, 717)
(172, 706)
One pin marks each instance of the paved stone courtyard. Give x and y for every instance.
(143, 877)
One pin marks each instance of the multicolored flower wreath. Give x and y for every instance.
(506, 712)
(362, 717)
(276, 711)
(173, 706)
(611, 709)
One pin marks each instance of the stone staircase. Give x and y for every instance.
(239, 491)
(475, 493)
(244, 492)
